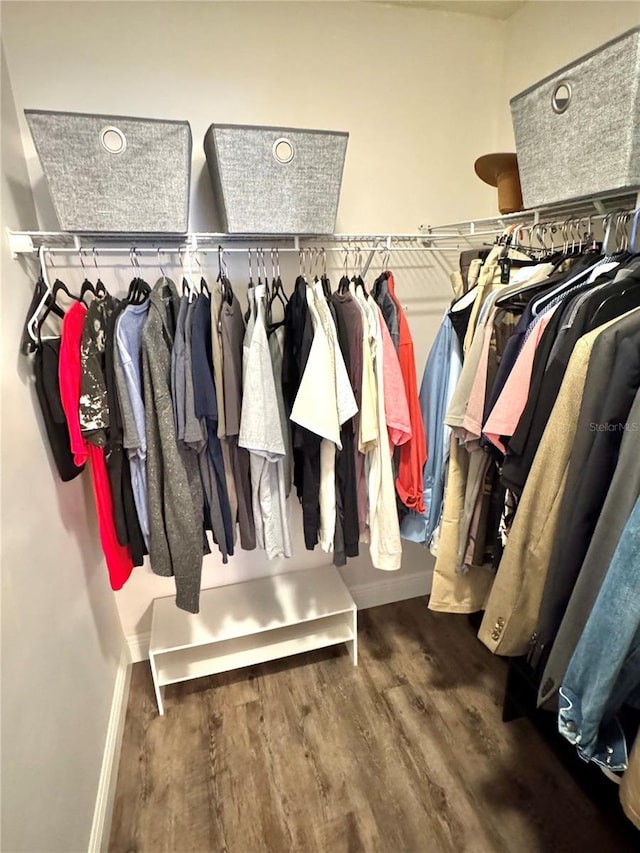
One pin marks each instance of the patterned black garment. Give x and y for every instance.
(94, 406)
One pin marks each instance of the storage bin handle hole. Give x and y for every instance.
(113, 140)
(561, 97)
(283, 150)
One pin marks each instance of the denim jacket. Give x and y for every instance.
(440, 376)
(604, 672)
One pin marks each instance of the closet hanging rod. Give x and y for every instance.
(86, 251)
(27, 242)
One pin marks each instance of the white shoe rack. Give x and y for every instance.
(248, 623)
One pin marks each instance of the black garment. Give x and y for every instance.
(381, 295)
(232, 332)
(460, 317)
(310, 500)
(93, 408)
(124, 508)
(612, 382)
(306, 444)
(296, 321)
(347, 527)
(206, 404)
(45, 368)
(546, 379)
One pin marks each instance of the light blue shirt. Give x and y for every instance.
(440, 377)
(128, 362)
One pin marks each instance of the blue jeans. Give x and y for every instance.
(604, 672)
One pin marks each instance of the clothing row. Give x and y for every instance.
(532, 404)
(197, 418)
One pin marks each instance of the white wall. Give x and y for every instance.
(416, 89)
(541, 37)
(61, 638)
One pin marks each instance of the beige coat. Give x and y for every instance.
(452, 592)
(514, 603)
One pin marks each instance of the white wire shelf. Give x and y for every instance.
(596, 208)
(429, 238)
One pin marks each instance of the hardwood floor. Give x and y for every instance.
(404, 754)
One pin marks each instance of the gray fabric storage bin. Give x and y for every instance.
(115, 174)
(275, 180)
(589, 143)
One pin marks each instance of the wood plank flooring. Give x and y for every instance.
(404, 754)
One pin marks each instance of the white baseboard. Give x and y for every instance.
(101, 825)
(394, 587)
(139, 646)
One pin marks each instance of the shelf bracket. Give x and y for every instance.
(19, 244)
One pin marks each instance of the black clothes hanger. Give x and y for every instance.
(227, 291)
(620, 297)
(222, 278)
(277, 292)
(358, 281)
(324, 278)
(204, 287)
(343, 285)
(326, 285)
(87, 287)
(58, 286)
(98, 290)
(28, 343)
(139, 290)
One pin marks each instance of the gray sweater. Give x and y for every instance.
(175, 522)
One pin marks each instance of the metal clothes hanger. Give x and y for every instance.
(324, 278)
(251, 283)
(621, 230)
(343, 284)
(100, 287)
(87, 286)
(634, 238)
(223, 278)
(609, 241)
(262, 261)
(139, 290)
(277, 290)
(188, 288)
(162, 272)
(357, 277)
(204, 287)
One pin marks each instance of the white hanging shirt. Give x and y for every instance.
(385, 546)
(261, 434)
